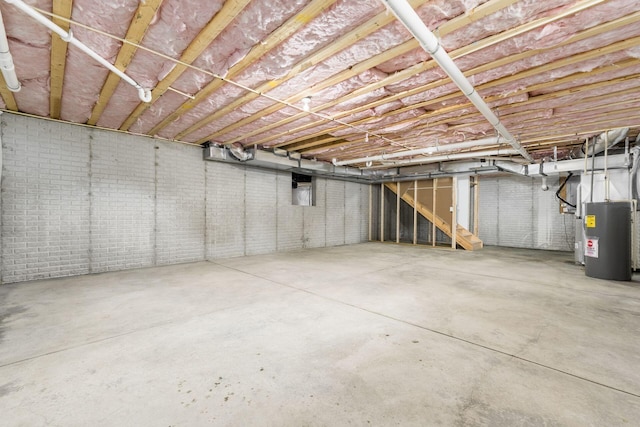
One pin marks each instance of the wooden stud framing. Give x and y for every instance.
(382, 212)
(370, 212)
(415, 212)
(398, 212)
(434, 201)
(454, 212)
(476, 193)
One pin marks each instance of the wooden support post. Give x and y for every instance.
(370, 210)
(476, 185)
(382, 212)
(454, 213)
(433, 224)
(397, 212)
(415, 212)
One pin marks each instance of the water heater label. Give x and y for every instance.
(591, 248)
(590, 220)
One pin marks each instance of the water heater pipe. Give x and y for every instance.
(429, 42)
(6, 61)
(143, 94)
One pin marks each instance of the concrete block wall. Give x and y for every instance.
(45, 206)
(180, 204)
(123, 197)
(77, 200)
(515, 212)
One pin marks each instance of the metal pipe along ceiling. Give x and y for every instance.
(429, 42)
(6, 61)
(426, 150)
(448, 157)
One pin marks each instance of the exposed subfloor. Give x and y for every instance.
(370, 334)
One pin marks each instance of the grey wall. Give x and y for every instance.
(515, 212)
(76, 200)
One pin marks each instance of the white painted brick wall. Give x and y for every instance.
(180, 204)
(354, 216)
(335, 199)
(261, 221)
(364, 211)
(122, 202)
(290, 217)
(315, 218)
(76, 200)
(488, 210)
(515, 212)
(45, 200)
(225, 210)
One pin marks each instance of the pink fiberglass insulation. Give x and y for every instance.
(604, 103)
(308, 133)
(511, 16)
(590, 79)
(176, 23)
(275, 64)
(83, 75)
(29, 45)
(344, 15)
(327, 95)
(538, 38)
(386, 124)
(578, 97)
(433, 14)
(249, 28)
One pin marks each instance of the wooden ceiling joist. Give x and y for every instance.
(407, 46)
(137, 29)
(292, 25)
(219, 22)
(63, 9)
(546, 68)
(316, 58)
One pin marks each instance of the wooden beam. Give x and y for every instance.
(137, 29)
(313, 9)
(63, 9)
(401, 75)
(216, 25)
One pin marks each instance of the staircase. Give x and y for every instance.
(464, 237)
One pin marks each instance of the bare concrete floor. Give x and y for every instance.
(371, 334)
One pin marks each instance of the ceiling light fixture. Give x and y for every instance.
(366, 137)
(306, 102)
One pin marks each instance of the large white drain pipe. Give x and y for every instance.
(429, 42)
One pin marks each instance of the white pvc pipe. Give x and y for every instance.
(6, 61)
(447, 157)
(143, 94)
(417, 151)
(405, 14)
